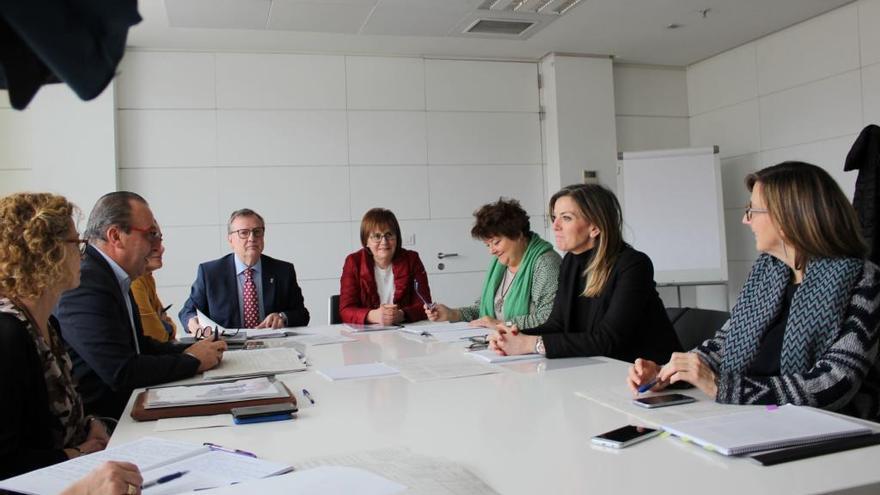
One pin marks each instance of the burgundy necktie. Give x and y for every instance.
(251, 312)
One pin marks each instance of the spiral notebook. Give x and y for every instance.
(765, 429)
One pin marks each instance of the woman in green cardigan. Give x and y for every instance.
(521, 281)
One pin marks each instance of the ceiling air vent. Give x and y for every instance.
(499, 27)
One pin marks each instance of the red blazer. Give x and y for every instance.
(358, 294)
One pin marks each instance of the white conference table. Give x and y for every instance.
(522, 431)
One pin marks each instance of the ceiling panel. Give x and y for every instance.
(218, 14)
(324, 17)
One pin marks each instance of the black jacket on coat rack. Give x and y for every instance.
(865, 156)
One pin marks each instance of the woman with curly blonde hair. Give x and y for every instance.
(42, 420)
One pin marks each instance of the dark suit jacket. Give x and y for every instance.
(627, 321)
(358, 294)
(215, 293)
(30, 435)
(97, 330)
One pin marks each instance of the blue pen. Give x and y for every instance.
(648, 386)
(163, 479)
(308, 396)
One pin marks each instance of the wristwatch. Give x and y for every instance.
(283, 317)
(539, 346)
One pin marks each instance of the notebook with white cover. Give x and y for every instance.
(491, 356)
(765, 429)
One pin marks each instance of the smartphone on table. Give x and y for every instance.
(625, 436)
(261, 414)
(663, 400)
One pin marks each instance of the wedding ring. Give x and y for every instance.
(132, 490)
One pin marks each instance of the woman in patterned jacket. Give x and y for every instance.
(804, 329)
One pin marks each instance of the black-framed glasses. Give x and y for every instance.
(377, 237)
(750, 211)
(81, 245)
(209, 333)
(258, 233)
(151, 234)
(478, 342)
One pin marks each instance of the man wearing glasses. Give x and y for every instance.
(245, 289)
(100, 321)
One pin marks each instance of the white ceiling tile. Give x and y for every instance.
(412, 21)
(293, 15)
(228, 14)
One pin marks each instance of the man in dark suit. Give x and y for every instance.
(99, 319)
(246, 289)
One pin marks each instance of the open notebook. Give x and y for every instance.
(206, 468)
(765, 429)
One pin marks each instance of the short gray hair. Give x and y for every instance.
(111, 209)
(244, 212)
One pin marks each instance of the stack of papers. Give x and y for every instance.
(355, 371)
(491, 356)
(318, 481)
(213, 393)
(427, 368)
(357, 327)
(256, 362)
(447, 332)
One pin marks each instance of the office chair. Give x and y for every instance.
(333, 310)
(694, 325)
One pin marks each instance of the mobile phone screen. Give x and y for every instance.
(664, 400)
(626, 434)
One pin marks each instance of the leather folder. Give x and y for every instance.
(140, 413)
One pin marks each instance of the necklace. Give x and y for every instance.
(504, 289)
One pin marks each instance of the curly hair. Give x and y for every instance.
(504, 217)
(33, 227)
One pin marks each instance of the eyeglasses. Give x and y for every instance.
(81, 245)
(478, 342)
(258, 233)
(377, 237)
(208, 333)
(151, 234)
(750, 211)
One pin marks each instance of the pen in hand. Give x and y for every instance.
(163, 479)
(647, 386)
(307, 395)
(419, 294)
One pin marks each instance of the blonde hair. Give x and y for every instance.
(33, 227)
(599, 206)
(807, 205)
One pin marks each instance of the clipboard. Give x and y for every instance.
(140, 413)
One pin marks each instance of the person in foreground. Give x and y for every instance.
(99, 323)
(804, 329)
(42, 420)
(154, 320)
(246, 288)
(606, 303)
(378, 283)
(521, 281)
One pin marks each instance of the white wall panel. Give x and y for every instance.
(818, 48)
(177, 196)
(649, 91)
(384, 83)
(4, 99)
(285, 194)
(446, 236)
(175, 295)
(734, 129)
(722, 80)
(456, 290)
(167, 138)
(652, 133)
(482, 86)
(483, 138)
(185, 249)
(740, 240)
(15, 139)
(276, 81)
(166, 80)
(829, 154)
(401, 189)
(20, 180)
(871, 94)
(869, 18)
(282, 137)
(317, 250)
(823, 109)
(316, 294)
(457, 191)
(387, 138)
(733, 175)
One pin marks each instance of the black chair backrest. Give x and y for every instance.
(333, 310)
(694, 325)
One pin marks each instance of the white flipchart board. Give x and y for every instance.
(673, 210)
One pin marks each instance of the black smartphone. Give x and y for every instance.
(663, 400)
(625, 436)
(267, 410)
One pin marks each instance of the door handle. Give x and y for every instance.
(440, 256)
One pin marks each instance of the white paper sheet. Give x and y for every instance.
(213, 393)
(324, 480)
(356, 371)
(490, 356)
(211, 469)
(356, 327)
(256, 362)
(421, 474)
(267, 333)
(433, 328)
(194, 422)
(427, 368)
(319, 339)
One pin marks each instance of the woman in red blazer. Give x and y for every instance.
(377, 281)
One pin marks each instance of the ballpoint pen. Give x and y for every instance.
(163, 479)
(307, 395)
(418, 293)
(647, 386)
(214, 446)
